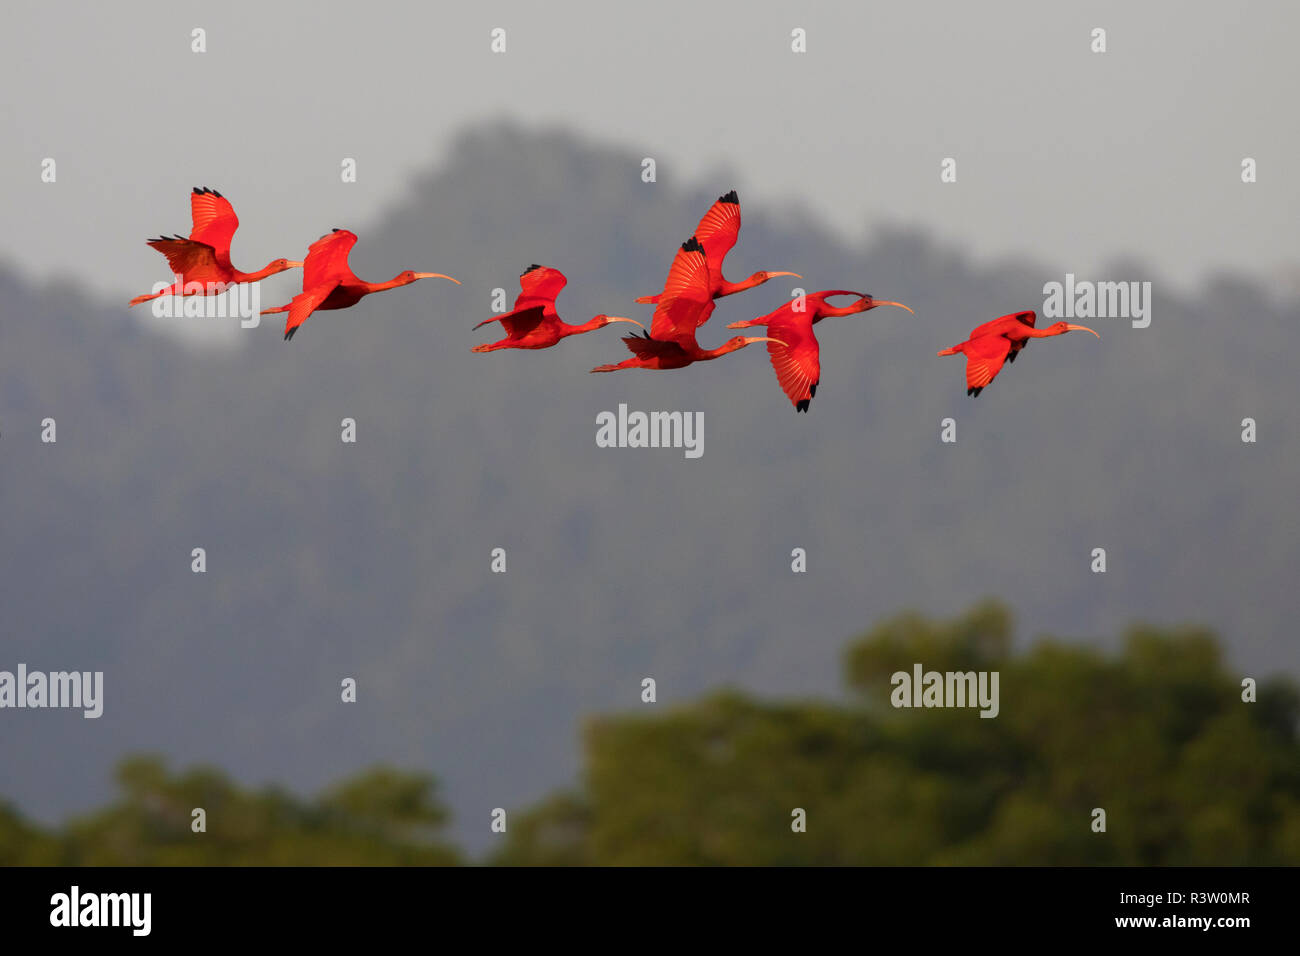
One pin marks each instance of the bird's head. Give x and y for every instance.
(868, 302)
(603, 320)
(1060, 328)
(740, 341)
(758, 278)
(407, 277)
(822, 308)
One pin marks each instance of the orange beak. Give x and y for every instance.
(877, 302)
(773, 275)
(1079, 328)
(619, 318)
(435, 275)
(294, 265)
(762, 338)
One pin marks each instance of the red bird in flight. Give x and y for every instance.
(796, 358)
(204, 257)
(1001, 340)
(684, 305)
(717, 233)
(534, 323)
(328, 282)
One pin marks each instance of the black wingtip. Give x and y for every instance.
(531, 268)
(802, 405)
(812, 390)
(730, 197)
(692, 245)
(288, 335)
(974, 392)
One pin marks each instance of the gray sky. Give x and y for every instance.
(1073, 157)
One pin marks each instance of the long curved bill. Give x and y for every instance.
(763, 338)
(435, 275)
(619, 318)
(1079, 328)
(294, 265)
(899, 304)
(773, 275)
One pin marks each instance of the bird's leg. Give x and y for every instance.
(629, 363)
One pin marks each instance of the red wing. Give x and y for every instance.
(685, 302)
(719, 230)
(327, 259)
(984, 358)
(304, 304)
(192, 261)
(999, 325)
(540, 285)
(519, 322)
(214, 221)
(797, 363)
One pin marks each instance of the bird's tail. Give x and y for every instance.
(648, 299)
(144, 298)
(278, 308)
(486, 347)
(952, 351)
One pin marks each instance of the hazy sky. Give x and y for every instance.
(1074, 157)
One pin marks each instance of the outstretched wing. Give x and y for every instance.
(215, 221)
(541, 286)
(519, 322)
(797, 363)
(719, 230)
(1000, 325)
(304, 304)
(192, 261)
(685, 302)
(984, 358)
(327, 260)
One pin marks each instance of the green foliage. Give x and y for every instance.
(381, 817)
(1157, 735)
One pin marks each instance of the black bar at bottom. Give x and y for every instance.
(334, 905)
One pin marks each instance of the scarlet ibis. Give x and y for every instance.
(534, 323)
(1001, 340)
(684, 305)
(328, 282)
(796, 360)
(205, 256)
(717, 232)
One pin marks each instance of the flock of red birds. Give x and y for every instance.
(695, 280)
